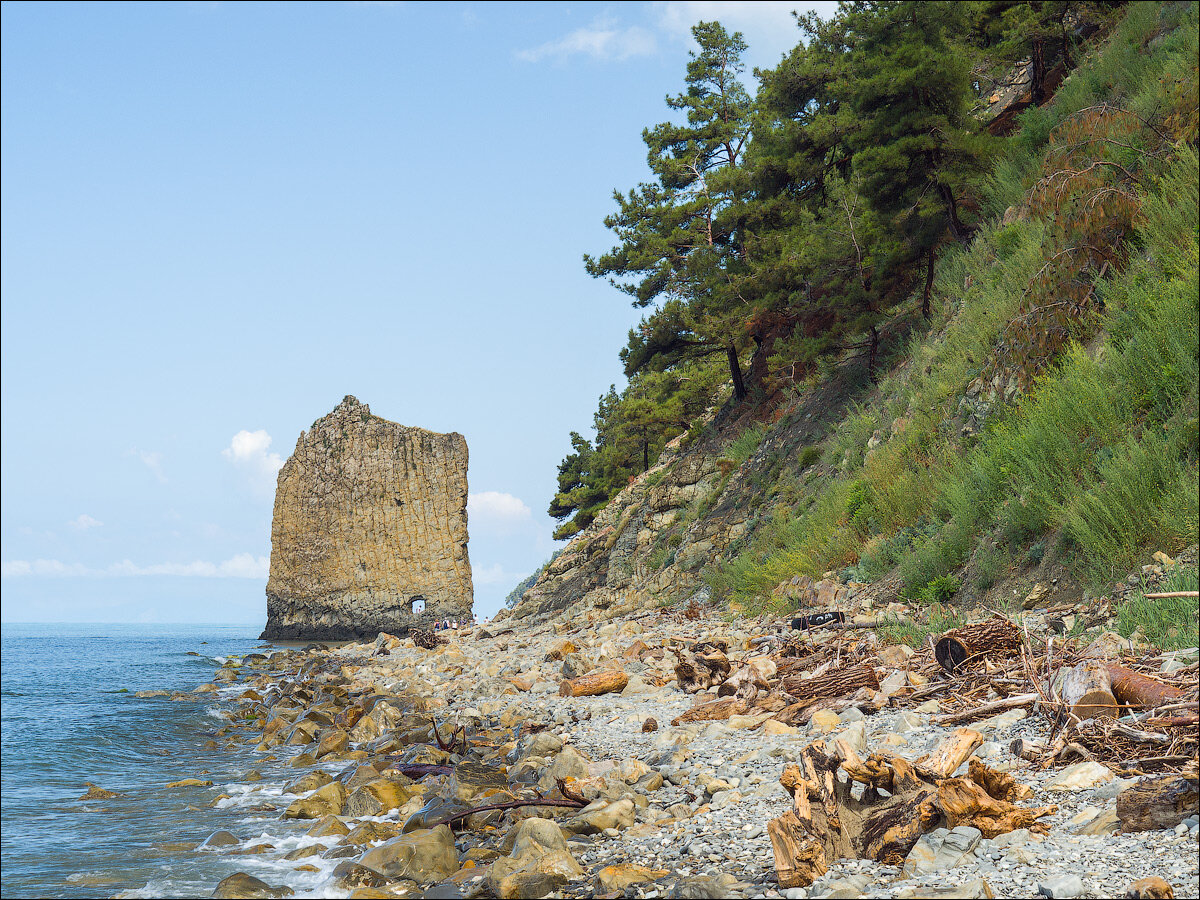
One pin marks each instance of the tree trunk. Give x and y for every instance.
(1086, 689)
(596, 683)
(872, 356)
(928, 286)
(735, 372)
(799, 857)
(1037, 77)
(1134, 689)
(829, 822)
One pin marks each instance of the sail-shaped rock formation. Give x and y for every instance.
(370, 530)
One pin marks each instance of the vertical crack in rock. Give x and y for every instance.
(370, 530)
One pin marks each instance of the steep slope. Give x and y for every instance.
(1041, 428)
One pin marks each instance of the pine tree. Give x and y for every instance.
(917, 150)
(674, 241)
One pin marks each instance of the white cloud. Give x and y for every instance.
(83, 522)
(243, 565)
(497, 512)
(153, 460)
(604, 39)
(248, 450)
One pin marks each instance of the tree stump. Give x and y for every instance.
(594, 683)
(827, 822)
(994, 635)
(1086, 689)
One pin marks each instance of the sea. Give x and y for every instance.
(68, 715)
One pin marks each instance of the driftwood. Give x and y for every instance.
(1151, 888)
(988, 709)
(594, 683)
(1163, 595)
(1086, 690)
(996, 635)
(826, 822)
(1134, 689)
(1162, 801)
(713, 711)
(702, 667)
(838, 683)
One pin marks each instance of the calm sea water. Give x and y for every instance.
(64, 722)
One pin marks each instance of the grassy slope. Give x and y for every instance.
(1098, 460)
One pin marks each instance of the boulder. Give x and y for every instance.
(308, 783)
(1079, 777)
(600, 815)
(619, 877)
(424, 856)
(324, 801)
(379, 797)
(241, 886)
(540, 862)
(219, 839)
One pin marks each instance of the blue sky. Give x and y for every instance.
(219, 219)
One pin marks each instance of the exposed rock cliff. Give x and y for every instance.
(370, 530)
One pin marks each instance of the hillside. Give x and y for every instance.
(1028, 418)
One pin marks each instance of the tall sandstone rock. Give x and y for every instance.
(370, 530)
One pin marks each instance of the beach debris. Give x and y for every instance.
(901, 801)
(1161, 801)
(1152, 888)
(961, 646)
(593, 684)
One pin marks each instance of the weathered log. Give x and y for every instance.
(996, 635)
(594, 683)
(950, 753)
(1134, 689)
(837, 683)
(1161, 801)
(713, 711)
(1086, 689)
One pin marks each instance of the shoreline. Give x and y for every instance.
(648, 809)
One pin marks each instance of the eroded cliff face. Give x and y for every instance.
(370, 530)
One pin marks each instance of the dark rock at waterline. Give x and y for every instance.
(219, 839)
(240, 886)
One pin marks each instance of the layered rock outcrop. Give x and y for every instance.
(370, 530)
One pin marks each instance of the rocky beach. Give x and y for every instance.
(656, 787)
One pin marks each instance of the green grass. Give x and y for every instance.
(1170, 623)
(743, 446)
(1100, 454)
(915, 633)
